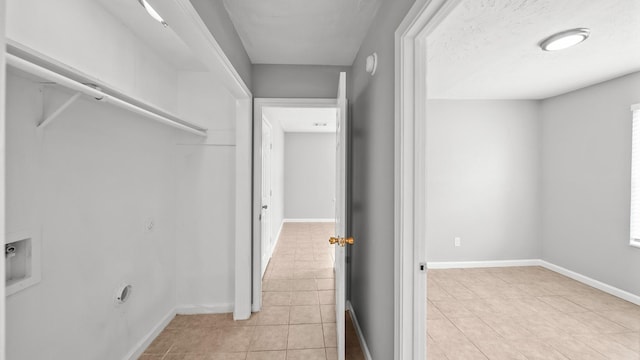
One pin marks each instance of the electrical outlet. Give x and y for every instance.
(456, 242)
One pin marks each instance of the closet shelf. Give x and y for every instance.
(93, 90)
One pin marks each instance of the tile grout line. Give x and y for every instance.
(167, 353)
(318, 306)
(555, 309)
(467, 337)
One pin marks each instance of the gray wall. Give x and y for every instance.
(217, 19)
(586, 172)
(483, 180)
(372, 258)
(309, 175)
(296, 81)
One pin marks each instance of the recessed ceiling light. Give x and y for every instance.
(565, 39)
(152, 12)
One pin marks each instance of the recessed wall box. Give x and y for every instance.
(22, 262)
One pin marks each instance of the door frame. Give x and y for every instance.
(3, 97)
(410, 175)
(266, 121)
(258, 105)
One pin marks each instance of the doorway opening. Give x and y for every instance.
(300, 188)
(295, 285)
(500, 137)
(294, 171)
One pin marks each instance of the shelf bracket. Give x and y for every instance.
(46, 121)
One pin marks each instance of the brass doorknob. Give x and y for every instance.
(341, 241)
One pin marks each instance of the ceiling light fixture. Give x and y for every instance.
(565, 39)
(153, 13)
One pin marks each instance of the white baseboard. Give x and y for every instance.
(271, 250)
(363, 342)
(592, 282)
(481, 264)
(625, 295)
(277, 238)
(309, 220)
(204, 309)
(148, 339)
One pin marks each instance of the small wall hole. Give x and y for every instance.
(124, 294)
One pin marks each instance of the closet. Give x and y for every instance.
(122, 175)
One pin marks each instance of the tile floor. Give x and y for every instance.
(526, 313)
(298, 316)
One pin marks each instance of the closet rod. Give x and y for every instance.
(49, 75)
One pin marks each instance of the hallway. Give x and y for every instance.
(297, 320)
(298, 296)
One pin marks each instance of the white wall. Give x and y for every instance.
(482, 180)
(83, 35)
(205, 245)
(586, 181)
(309, 175)
(86, 187)
(89, 182)
(206, 217)
(203, 101)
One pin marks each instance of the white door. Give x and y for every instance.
(340, 239)
(265, 213)
(2, 166)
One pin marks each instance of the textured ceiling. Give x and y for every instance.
(488, 49)
(302, 119)
(306, 32)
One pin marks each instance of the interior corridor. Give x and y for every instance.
(297, 320)
(526, 313)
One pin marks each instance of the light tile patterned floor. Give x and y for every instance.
(298, 316)
(526, 313)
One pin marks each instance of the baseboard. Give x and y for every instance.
(481, 264)
(363, 342)
(204, 309)
(148, 339)
(271, 250)
(625, 295)
(592, 282)
(309, 220)
(277, 238)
